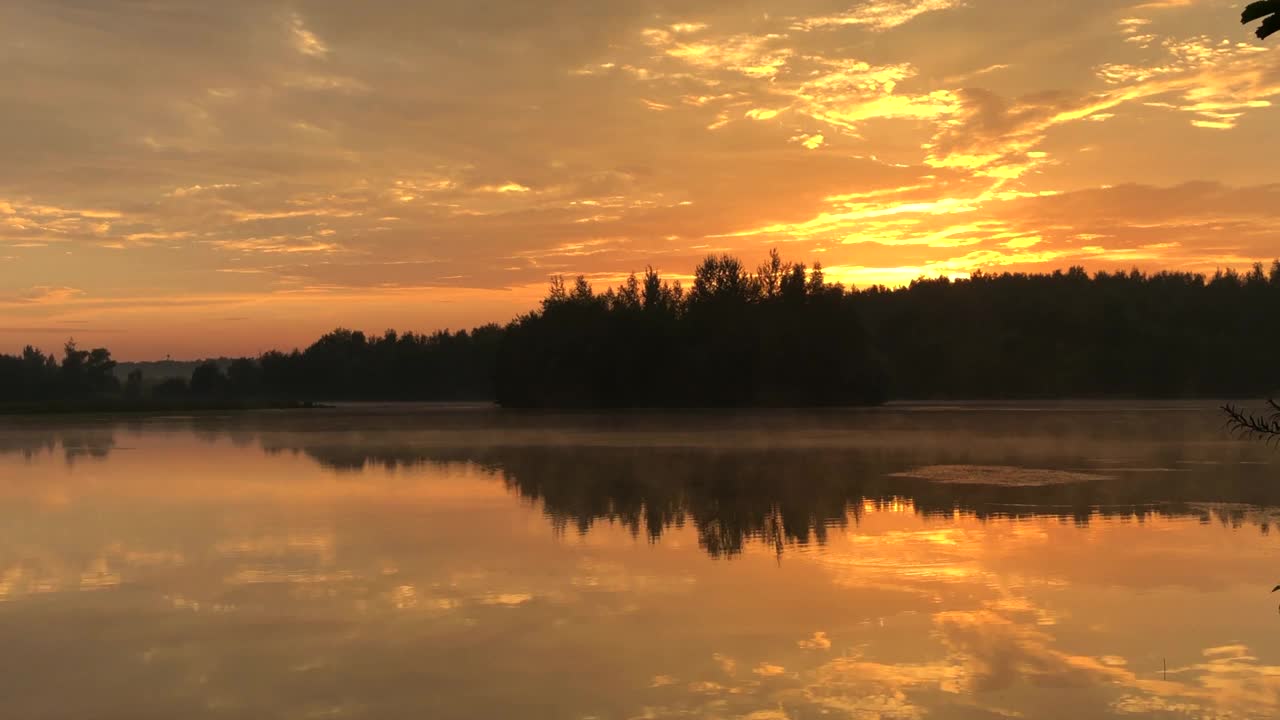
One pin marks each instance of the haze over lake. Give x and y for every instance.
(1073, 560)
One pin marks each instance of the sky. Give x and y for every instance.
(193, 179)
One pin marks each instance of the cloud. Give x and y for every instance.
(819, 641)
(507, 187)
(276, 244)
(768, 670)
(1217, 82)
(878, 14)
(486, 146)
(43, 295)
(305, 41)
(755, 56)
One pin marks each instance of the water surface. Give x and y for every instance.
(1048, 561)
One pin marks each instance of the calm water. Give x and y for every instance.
(1057, 561)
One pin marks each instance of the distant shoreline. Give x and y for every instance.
(105, 406)
(121, 405)
(779, 337)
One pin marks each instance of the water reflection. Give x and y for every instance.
(360, 564)
(750, 483)
(733, 488)
(72, 444)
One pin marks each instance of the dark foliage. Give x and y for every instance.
(783, 336)
(341, 365)
(1067, 334)
(1265, 426)
(1266, 10)
(208, 380)
(170, 389)
(347, 365)
(133, 385)
(32, 375)
(779, 336)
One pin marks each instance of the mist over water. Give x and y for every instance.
(955, 561)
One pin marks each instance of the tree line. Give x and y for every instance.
(783, 335)
(1069, 334)
(779, 335)
(341, 365)
(33, 375)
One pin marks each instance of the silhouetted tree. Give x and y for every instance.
(1266, 10)
(86, 372)
(100, 371)
(170, 389)
(1067, 334)
(782, 336)
(347, 364)
(32, 375)
(73, 365)
(133, 385)
(1268, 426)
(244, 377)
(1264, 425)
(208, 380)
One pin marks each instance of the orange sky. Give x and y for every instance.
(222, 178)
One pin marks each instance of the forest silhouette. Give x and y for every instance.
(780, 335)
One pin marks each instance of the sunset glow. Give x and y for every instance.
(225, 178)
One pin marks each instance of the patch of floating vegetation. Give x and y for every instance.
(998, 475)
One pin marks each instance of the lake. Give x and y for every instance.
(1070, 560)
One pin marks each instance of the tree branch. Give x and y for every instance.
(1266, 426)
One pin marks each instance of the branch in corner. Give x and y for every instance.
(1266, 425)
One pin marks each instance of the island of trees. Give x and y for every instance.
(778, 335)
